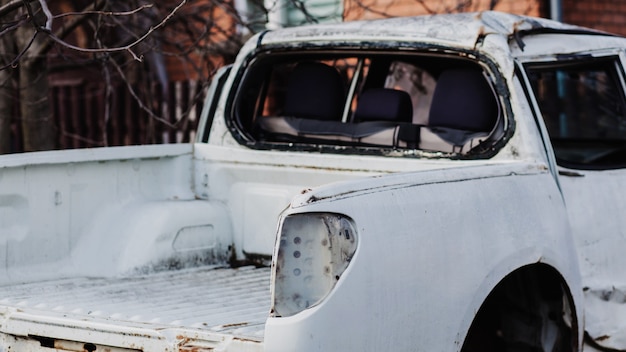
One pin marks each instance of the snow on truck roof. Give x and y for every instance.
(461, 29)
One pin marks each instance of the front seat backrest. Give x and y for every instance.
(315, 91)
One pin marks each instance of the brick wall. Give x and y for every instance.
(200, 40)
(605, 15)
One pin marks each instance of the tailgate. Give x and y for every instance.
(188, 310)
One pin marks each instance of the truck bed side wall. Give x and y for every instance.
(102, 212)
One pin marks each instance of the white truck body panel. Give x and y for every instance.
(519, 236)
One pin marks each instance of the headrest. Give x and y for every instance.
(383, 104)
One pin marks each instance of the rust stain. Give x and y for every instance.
(234, 325)
(194, 349)
(182, 340)
(516, 25)
(243, 339)
(602, 338)
(481, 31)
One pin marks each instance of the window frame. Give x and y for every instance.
(503, 130)
(213, 95)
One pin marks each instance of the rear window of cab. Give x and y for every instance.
(352, 102)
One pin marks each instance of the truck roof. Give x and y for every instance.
(460, 29)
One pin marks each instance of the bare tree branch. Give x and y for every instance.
(48, 14)
(64, 30)
(374, 10)
(124, 48)
(12, 6)
(307, 15)
(426, 7)
(104, 13)
(21, 54)
(13, 25)
(138, 100)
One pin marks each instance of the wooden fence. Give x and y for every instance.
(84, 119)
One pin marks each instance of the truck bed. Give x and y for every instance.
(192, 307)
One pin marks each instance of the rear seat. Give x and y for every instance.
(377, 117)
(463, 113)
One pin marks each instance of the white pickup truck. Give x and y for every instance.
(440, 183)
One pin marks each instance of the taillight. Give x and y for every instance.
(314, 249)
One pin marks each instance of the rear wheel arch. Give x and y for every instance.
(531, 309)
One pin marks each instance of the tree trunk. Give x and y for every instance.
(7, 90)
(6, 110)
(38, 128)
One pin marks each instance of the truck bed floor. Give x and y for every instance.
(224, 300)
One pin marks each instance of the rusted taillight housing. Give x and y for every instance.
(314, 249)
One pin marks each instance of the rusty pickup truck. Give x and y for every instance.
(440, 183)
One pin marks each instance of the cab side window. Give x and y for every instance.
(584, 110)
